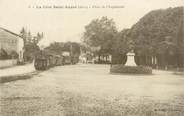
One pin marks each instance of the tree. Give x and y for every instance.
(167, 51)
(75, 48)
(122, 42)
(121, 46)
(30, 49)
(23, 34)
(153, 29)
(180, 44)
(59, 47)
(29, 37)
(100, 33)
(30, 43)
(55, 48)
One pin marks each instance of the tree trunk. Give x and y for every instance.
(98, 58)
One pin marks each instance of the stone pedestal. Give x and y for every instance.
(130, 59)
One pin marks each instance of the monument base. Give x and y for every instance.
(122, 69)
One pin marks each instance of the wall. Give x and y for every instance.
(7, 63)
(20, 46)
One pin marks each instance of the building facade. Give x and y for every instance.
(11, 42)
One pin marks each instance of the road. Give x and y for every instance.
(90, 90)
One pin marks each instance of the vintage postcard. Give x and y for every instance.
(91, 58)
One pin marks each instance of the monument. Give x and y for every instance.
(130, 66)
(130, 59)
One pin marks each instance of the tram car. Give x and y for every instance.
(67, 60)
(44, 60)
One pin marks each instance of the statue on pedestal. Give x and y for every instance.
(130, 59)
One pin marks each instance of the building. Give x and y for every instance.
(11, 42)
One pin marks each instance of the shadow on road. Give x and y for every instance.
(6, 79)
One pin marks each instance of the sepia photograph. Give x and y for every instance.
(91, 58)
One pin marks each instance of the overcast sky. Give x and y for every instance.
(68, 24)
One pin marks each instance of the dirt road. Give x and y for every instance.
(90, 90)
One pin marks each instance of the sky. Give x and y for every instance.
(66, 24)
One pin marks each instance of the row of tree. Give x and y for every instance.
(157, 39)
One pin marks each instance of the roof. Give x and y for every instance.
(10, 32)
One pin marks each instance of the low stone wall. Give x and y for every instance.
(7, 63)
